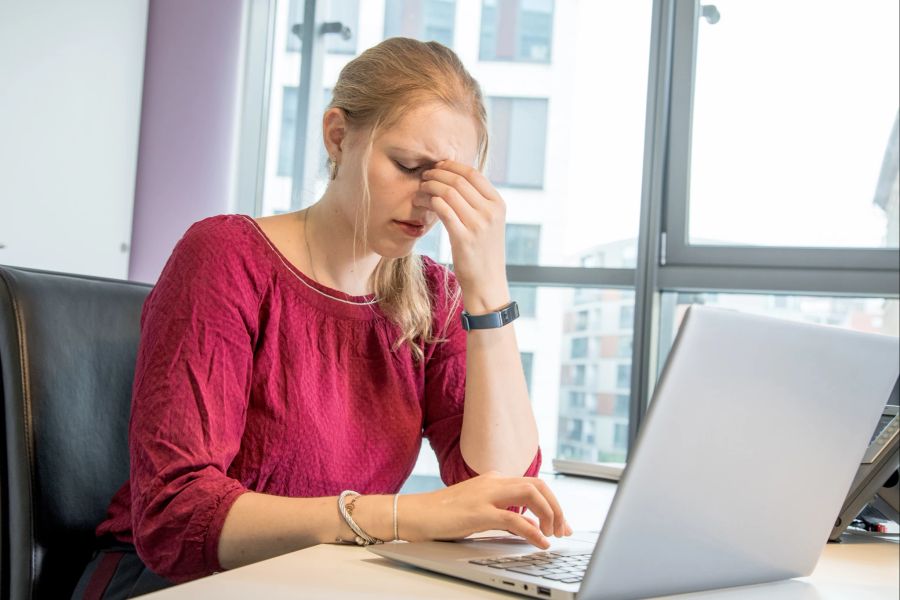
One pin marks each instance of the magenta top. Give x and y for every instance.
(250, 377)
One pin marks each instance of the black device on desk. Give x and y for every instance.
(877, 482)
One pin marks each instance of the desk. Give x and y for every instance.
(860, 568)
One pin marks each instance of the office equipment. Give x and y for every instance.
(606, 470)
(756, 428)
(67, 353)
(876, 481)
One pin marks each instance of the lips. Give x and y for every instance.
(413, 229)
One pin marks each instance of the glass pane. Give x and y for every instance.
(578, 179)
(874, 315)
(795, 138)
(519, 30)
(578, 373)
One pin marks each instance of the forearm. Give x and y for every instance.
(261, 526)
(499, 432)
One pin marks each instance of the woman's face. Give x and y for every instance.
(399, 155)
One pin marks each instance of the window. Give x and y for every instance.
(288, 131)
(523, 248)
(518, 141)
(807, 125)
(580, 374)
(579, 182)
(622, 403)
(425, 20)
(623, 376)
(872, 315)
(345, 12)
(579, 347)
(581, 320)
(620, 435)
(527, 362)
(519, 30)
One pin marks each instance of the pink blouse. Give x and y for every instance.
(250, 377)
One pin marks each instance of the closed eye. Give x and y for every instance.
(408, 170)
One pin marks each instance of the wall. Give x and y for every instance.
(189, 128)
(70, 93)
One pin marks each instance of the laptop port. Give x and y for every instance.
(508, 582)
(542, 591)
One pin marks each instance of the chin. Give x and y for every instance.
(393, 251)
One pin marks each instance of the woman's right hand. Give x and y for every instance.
(480, 504)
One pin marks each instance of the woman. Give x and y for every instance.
(289, 366)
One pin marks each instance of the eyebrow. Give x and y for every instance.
(414, 155)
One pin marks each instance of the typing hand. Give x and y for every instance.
(480, 504)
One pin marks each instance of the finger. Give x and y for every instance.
(446, 214)
(532, 521)
(473, 176)
(524, 493)
(460, 184)
(559, 519)
(465, 211)
(519, 525)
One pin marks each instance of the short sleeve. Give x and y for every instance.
(189, 401)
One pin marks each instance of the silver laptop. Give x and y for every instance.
(755, 431)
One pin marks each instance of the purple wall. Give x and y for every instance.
(187, 125)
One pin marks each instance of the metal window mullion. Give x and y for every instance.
(309, 105)
(570, 276)
(646, 296)
(784, 280)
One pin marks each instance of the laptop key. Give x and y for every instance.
(572, 580)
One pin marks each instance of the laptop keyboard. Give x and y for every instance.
(565, 567)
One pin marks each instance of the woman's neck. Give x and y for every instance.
(329, 245)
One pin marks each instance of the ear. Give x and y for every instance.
(334, 132)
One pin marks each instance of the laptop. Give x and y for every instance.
(753, 436)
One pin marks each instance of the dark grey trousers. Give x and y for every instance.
(117, 572)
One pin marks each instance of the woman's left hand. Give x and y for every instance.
(474, 215)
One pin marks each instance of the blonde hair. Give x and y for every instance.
(374, 91)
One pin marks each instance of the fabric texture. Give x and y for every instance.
(249, 378)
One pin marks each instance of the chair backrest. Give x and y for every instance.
(68, 345)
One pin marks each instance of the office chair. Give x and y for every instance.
(68, 345)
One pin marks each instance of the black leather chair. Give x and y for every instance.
(68, 345)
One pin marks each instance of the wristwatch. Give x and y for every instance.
(491, 320)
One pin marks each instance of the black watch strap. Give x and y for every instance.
(492, 320)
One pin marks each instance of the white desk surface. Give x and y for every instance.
(860, 568)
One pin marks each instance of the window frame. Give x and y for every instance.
(665, 261)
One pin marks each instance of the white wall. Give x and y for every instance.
(71, 75)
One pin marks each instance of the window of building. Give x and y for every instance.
(426, 20)
(288, 131)
(527, 364)
(518, 141)
(517, 30)
(579, 347)
(623, 376)
(340, 11)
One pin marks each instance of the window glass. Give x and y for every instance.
(518, 30)
(795, 142)
(425, 20)
(574, 378)
(873, 315)
(518, 138)
(579, 179)
(288, 131)
(345, 12)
